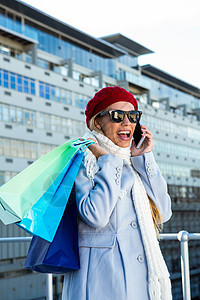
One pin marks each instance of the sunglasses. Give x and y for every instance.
(117, 116)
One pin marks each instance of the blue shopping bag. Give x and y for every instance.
(61, 255)
(45, 215)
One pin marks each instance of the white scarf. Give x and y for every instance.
(159, 284)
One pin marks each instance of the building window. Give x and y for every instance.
(5, 111)
(48, 122)
(5, 79)
(17, 82)
(80, 100)
(41, 89)
(6, 176)
(42, 63)
(51, 92)
(12, 81)
(22, 149)
(17, 115)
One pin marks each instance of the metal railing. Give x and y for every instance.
(49, 277)
(183, 237)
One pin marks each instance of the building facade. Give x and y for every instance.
(48, 72)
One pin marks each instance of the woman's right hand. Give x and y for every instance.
(97, 150)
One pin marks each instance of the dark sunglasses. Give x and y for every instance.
(117, 116)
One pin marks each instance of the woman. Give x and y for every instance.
(119, 253)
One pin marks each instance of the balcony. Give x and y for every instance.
(183, 237)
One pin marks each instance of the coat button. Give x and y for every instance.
(134, 224)
(119, 169)
(118, 175)
(148, 163)
(122, 194)
(117, 181)
(140, 258)
(150, 170)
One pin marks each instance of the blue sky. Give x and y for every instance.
(170, 28)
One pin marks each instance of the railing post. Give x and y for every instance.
(183, 237)
(49, 286)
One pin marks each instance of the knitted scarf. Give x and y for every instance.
(159, 284)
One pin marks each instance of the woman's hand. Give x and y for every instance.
(97, 150)
(146, 146)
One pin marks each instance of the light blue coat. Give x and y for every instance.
(113, 263)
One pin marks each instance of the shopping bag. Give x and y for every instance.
(62, 254)
(19, 194)
(45, 215)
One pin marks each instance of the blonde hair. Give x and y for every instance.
(156, 216)
(92, 125)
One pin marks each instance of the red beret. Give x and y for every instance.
(104, 98)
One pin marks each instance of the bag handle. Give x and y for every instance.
(85, 143)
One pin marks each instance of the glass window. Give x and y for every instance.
(7, 147)
(1, 178)
(69, 97)
(64, 125)
(20, 148)
(18, 25)
(19, 83)
(53, 123)
(87, 80)
(76, 75)
(1, 111)
(82, 103)
(13, 116)
(53, 92)
(48, 122)
(41, 121)
(27, 149)
(19, 115)
(27, 118)
(34, 152)
(12, 81)
(64, 70)
(32, 84)
(7, 176)
(63, 96)
(42, 63)
(47, 91)
(10, 22)
(28, 58)
(6, 116)
(59, 124)
(69, 127)
(4, 49)
(58, 96)
(5, 79)
(14, 147)
(76, 100)
(33, 119)
(41, 89)
(1, 146)
(26, 85)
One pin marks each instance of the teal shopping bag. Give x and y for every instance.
(18, 195)
(45, 215)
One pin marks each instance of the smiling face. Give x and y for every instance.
(119, 133)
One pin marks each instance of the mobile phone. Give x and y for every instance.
(137, 135)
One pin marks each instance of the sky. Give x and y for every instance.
(170, 28)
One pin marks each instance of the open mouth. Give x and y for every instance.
(124, 135)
